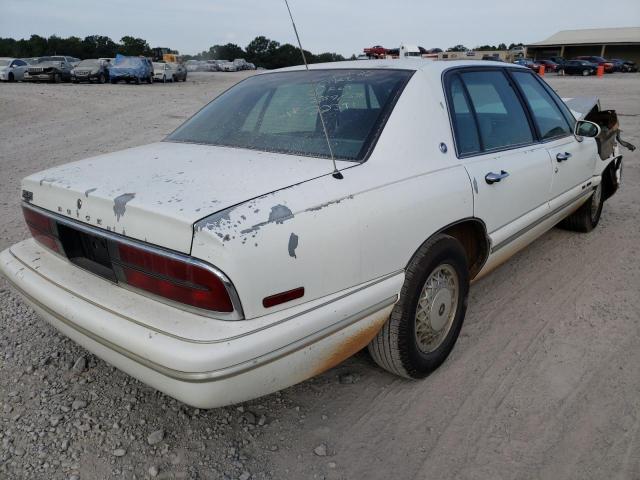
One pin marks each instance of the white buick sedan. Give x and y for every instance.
(231, 260)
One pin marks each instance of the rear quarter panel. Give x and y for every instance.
(327, 235)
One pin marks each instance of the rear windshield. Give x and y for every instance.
(277, 112)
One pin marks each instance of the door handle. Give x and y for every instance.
(492, 178)
(561, 157)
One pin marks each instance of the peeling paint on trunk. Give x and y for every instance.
(293, 244)
(120, 202)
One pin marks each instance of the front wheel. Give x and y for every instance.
(586, 73)
(101, 78)
(426, 321)
(587, 217)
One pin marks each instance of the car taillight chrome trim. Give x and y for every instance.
(236, 314)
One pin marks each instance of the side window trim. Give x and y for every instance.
(472, 109)
(447, 75)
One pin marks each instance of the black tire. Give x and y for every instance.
(138, 81)
(101, 78)
(587, 217)
(113, 81)
(396, 347)
(11, 78)
(57, 78)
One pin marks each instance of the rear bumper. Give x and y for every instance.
(202, 362)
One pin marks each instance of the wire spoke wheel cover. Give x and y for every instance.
(437, 308)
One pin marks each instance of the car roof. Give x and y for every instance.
(431, 67)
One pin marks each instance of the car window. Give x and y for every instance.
(465, 129)
(546, 114)
(277, 112)
(501, 119)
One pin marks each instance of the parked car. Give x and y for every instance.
(228, 67)
(557, 60)
(191, 65)
(530, 64)
(180, 72)
(173, 264)
(131, 69)
(549, 66)
(621, 65)
(90, 70)
(492, 58)
(12, 69)
(242, 64)
(49, 69)
(163, 72)
(608, 66)
(579, 67)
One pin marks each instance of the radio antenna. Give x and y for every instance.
(336, 172)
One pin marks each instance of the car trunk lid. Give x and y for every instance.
(155, 193)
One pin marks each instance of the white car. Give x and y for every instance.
(12, 69)
(228, 67)
(231, 260)
(164, 72)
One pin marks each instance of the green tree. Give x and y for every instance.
(134, 46)
(229, 51)
(327, 57)
(260, 50)
(457, 48)
(99, 46)
(502, 46)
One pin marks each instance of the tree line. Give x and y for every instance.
(264, 52)
(93, 46)
(261, 51)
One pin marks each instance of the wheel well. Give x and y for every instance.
(472, 235)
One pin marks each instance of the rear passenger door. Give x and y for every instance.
(495, 139)
(573, 162)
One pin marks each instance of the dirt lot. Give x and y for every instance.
(543, 383)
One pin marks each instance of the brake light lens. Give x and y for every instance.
(173, 279)
(41, 229)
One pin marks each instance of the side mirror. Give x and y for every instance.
(585, 128)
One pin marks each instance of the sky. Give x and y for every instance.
(345, 27)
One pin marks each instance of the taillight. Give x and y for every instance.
(173, 279)
(41, 228)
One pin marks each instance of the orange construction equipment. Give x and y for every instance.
(541, 70)
(600, 71)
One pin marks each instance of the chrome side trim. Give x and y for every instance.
(237, 313)
(548, 215)
(227, 372)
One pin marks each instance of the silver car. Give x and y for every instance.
(12, 69)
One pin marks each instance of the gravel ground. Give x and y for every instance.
(543, 383)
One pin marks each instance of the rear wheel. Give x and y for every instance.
(101, 78)
(57, 78)
(586, 73)
(137, 80)
(425, 323)
(11, 78)
(587, 217)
